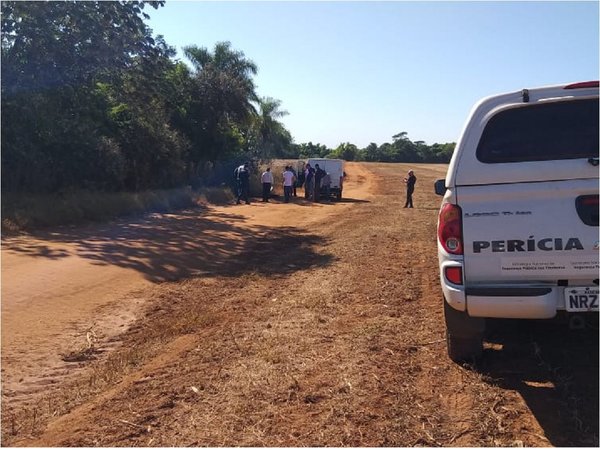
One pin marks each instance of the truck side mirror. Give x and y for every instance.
(440, 187)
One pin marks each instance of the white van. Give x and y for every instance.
(518, 226)
(335, 169)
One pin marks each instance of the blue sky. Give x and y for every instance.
(361, 72)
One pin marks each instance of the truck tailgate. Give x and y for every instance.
(535, 232)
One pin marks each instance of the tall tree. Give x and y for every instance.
(404, 148)
(56, 44)
(53, 115)
(346, 151)
(310, 150)
(269, 136)
(141, 111)
(221, 101)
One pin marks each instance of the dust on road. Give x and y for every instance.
(272, 325)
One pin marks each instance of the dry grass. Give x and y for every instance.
(22, 212)
(345, 353)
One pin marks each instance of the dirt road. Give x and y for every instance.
(272, 325)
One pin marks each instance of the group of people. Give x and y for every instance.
(309, 177)
(289, 184)
(315, 180)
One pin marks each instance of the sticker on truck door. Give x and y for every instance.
(558, 265)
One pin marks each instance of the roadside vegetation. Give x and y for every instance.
(21, 212)
(93, 105)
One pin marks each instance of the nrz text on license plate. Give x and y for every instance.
(581, 299)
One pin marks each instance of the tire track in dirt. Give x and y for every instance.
(344, 348)
(60, 285)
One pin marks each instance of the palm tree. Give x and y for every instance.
(225, 76)
(220, 102)
(271, 136)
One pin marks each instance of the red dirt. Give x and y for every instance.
(272, 325)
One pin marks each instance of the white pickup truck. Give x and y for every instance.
(518, 224)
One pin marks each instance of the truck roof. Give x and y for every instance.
(465, 167)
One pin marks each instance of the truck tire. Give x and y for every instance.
(464, 335)
(338, 196)
(462, 350)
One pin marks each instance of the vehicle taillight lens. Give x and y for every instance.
(450, 229)
(590, 200)
(453, 274)
(582, 85)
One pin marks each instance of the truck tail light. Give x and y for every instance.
(582, 85)
(450, 229)
(590, 200)
(453, 274)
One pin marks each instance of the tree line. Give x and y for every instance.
(92, 100)
(401, 149)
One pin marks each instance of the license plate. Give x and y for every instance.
(579, 299)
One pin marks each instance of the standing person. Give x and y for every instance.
(236, 175)
(326, 185)
(309, 181)
(295, 181)
(267, 182)
(301, 176)
(319, 174)
(288, 183)
(243, 179)
(410, 188)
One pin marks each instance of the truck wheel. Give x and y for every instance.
(338, 196)
(464, 335)
(464, 349)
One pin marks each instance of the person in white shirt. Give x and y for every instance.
(267, 182)
(288, 183)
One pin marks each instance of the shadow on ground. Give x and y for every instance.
(352, 200)
(555, 370)
(301, 201)
(169, 247)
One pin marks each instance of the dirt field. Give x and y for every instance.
(273, 325)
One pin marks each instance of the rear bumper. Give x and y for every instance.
(507, 302)
(331, 189)
(517, 300)
(332, 192)
(513, 302)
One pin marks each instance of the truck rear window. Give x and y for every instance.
(541, 132)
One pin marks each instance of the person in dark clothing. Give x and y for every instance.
(319, 174)
(410, 188)
(309, 175)
(295, 182)
(236, 177)
(301, 176)
(243, 180)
